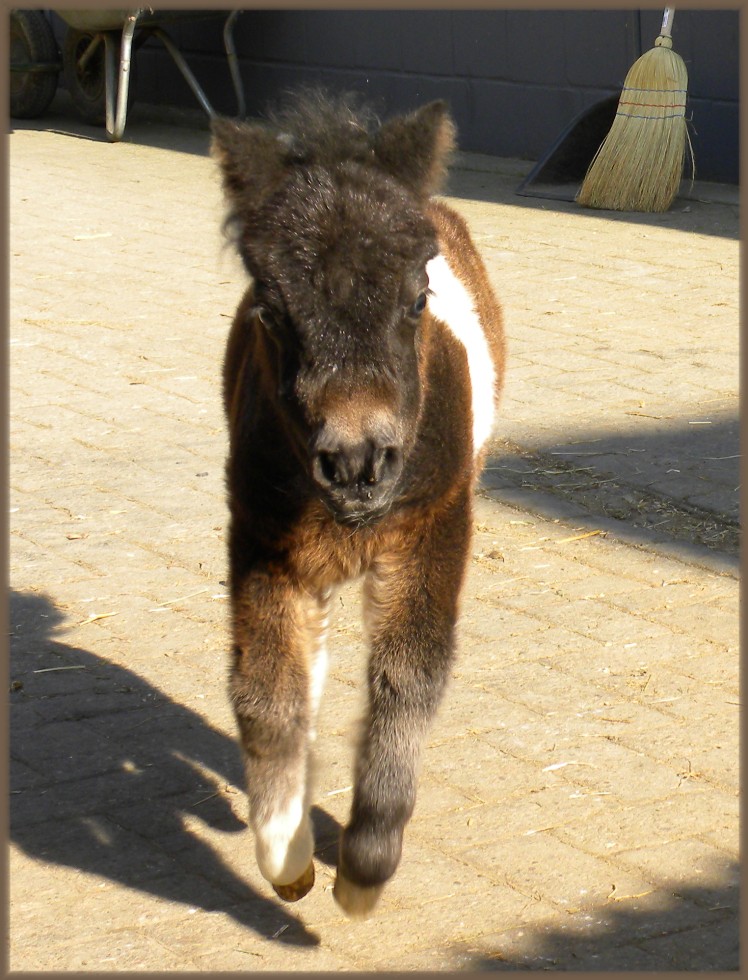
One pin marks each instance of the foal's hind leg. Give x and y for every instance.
(411, 603)
(275, 684)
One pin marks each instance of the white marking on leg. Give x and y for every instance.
(317, 677)
(284, 843)
(284, 838)
(451, 303)
(318, 661)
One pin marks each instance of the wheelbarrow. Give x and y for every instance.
(97, 60)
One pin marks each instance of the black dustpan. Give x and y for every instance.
(560, 173)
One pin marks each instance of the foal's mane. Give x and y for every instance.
(314, 129)
(326, 128)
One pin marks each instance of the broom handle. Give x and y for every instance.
(667, 22)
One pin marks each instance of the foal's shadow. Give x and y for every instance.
(107, 772)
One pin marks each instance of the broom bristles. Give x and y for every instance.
(640, 163)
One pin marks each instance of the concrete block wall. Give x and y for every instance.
(514, 78)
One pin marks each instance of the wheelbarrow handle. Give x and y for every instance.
(117, 118)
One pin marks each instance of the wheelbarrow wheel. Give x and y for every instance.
(32, 42)
(85, 74)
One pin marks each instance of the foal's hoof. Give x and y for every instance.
(355, 900)
(297, 889)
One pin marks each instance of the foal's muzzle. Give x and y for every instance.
(357, 476)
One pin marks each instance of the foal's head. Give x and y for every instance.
(327, 208)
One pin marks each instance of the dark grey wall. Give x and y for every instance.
(514, 78)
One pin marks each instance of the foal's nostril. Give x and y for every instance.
(327, 469)
(386, 462)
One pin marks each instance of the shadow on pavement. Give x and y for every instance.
(186, 130)
(676, 484)
(710, 216)
(177, 130)
(105, 768)
(696, 929)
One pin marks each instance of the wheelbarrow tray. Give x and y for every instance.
(117, 28)
(114, 20)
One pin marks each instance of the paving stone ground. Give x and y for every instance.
(578, 801)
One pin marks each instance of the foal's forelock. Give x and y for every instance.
(347, 301)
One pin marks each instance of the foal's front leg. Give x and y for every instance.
(275, 683)
(411, 604)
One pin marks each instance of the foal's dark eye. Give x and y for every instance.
(265, 317)
(419, 306)
(270, 323)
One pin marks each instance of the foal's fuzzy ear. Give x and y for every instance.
(253, 160)
(416, 148)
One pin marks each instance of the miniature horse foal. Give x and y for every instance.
(360, 383)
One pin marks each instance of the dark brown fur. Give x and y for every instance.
(349, 414)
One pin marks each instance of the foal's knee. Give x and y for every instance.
(273, 722)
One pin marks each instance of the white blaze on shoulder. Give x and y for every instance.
(451, 303)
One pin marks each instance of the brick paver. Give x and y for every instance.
(578, 799)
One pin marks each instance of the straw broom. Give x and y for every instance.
(639, 164)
